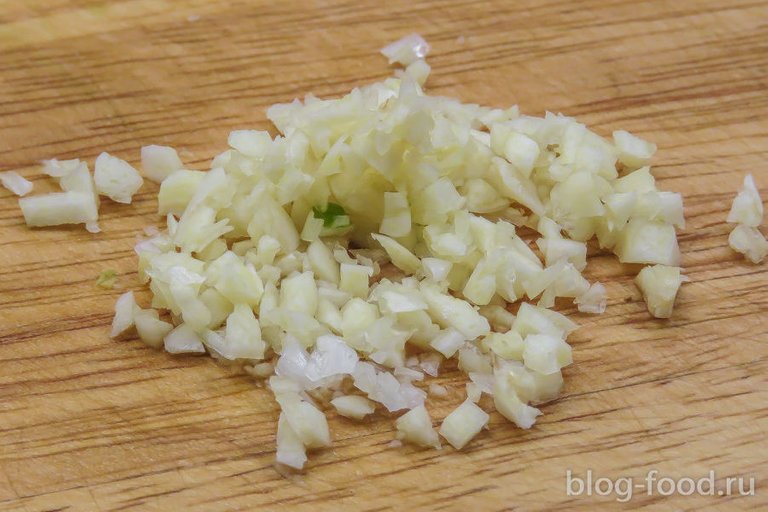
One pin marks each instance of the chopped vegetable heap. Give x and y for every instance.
(379, 235)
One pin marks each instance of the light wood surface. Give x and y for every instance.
(87, 423)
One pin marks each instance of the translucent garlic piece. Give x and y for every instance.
(419, 71)
(299, 293)
(159, 162)
(150, 328)
(415, 427)
(522, 152)
(125, 309)
(638, 181)
(449, 311)
(463, 423)
(593, 301)
(401, 257)
(183, 340)
(58, 208)
(448, 342)
(322, 262)
(177, 190)
(659, 285)
(750, 242)
(290, 449)
(532, 386)
(747, 207)
(116, 178)
(407, 50)
(532, 319)
(397, 215)
(79, 179)
(634, 152)
(353, 406)
(508, 403)
(508, 345)
(60, 168)
(644, 241)
(16, 183)
(307, 421)
(546, 354)
(242, 337)
(252, 143)
(354, 279)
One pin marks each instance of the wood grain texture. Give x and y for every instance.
(87, 423)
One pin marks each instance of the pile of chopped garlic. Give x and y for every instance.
(747, 213)
(378, 236)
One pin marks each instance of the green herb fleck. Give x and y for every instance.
(330, 214)
(107, 279)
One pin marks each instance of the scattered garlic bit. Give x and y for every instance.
(499, 317)
(176, 191)
(593, 300)
(472, 360)
(430, 362)
(125, 311)
(546, 353)
(397, 215)
(407, 50)
(415, 427)
(386, 222)
(747, 208)
(252, 143)
(463, 423)
(507, 400)
(448, 342)
(107, 279)
(750, 242)
(659, 285)
(437, 390)
(57, 208)
(307, 422)
(78, 204)
(60, 168)
(353, 406)
(16, 183)
(182, 340)
(159, 162)
(508, 345)
(645, 241)
(79, 179)
(116, 178)
(473, 392)
(747, 212)
(529, 385)
(633, 151)
(290, 450)
(151, 329)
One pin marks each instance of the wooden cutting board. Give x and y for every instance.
(87, 423)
